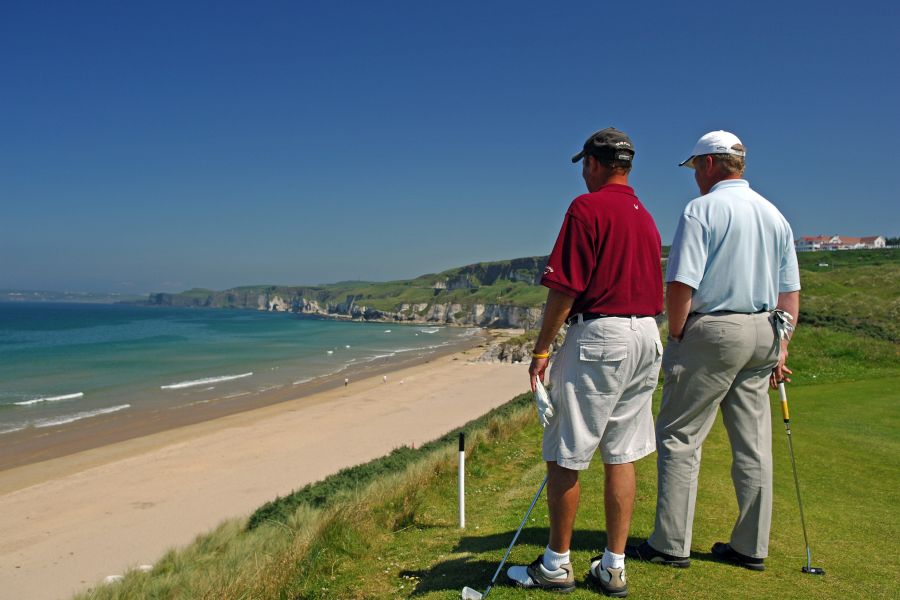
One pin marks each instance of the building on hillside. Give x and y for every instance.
(838, 242)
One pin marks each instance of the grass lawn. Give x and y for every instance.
(846, 440)
(846, 443)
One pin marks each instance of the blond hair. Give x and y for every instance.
(730, 164)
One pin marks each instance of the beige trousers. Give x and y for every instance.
(723, 360)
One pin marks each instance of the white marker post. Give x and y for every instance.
(462, 480)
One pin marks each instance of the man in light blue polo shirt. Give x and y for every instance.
(731, 265)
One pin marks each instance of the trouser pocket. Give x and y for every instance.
(670, 355)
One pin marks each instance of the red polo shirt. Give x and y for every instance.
(607, 255)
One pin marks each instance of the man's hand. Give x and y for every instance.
(678, 307)
(789, 302)
(555, 313)
(780, 372)
(536, 370)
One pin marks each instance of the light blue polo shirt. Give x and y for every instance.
(735, 249)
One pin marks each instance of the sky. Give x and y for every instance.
(160, 146)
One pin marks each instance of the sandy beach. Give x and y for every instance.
(67, 523)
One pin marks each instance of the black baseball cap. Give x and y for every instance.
(607, 145)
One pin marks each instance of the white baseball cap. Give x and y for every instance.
(714, 142)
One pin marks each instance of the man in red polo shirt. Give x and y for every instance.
(605, 280)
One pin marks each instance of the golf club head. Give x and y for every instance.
(813, 570)
(470, 594)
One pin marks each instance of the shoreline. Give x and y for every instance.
(26, 448)
(68, 522)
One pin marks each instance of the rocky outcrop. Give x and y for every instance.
(275, 304)
(517, 348)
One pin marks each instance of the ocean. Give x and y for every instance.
(65, 365)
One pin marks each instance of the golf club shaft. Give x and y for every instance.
(787, 426)
(515, 537)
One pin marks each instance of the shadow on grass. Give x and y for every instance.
(582, 540)
(701, 556)
(476, 571)
(705, 557)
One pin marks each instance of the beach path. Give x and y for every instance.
(67, 523)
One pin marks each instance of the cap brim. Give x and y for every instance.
(689, 163)
(578, 157)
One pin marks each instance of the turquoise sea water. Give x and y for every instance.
(61, 364)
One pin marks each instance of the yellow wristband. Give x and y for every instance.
(536, 355)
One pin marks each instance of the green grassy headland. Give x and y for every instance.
(509, 282)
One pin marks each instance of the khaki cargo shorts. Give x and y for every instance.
(603, 380)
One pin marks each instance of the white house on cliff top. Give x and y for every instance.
(838, 242)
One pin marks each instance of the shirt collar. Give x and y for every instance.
(617, 187)
(729, 183)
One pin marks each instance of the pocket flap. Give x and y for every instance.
(601, 352)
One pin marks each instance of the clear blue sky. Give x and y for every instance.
(158, 146)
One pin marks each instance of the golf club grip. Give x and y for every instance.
(784, 405)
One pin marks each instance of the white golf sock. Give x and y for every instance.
(554, 560)
(611, 559)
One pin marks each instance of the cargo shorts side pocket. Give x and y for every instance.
(601, 367)
(653, 377)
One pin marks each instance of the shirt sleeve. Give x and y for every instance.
(573, 259)
(689, 251)
(789, 272)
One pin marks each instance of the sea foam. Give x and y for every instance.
(186, 384)
(65, 419)
(50, 399)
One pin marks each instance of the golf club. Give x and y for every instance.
(470, 594)
(787, 426)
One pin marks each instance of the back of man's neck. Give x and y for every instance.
(613, 179)
(730, 177)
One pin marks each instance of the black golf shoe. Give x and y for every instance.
(647, 553)
(723, 552)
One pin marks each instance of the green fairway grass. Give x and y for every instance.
(397, 535)
(846, 445)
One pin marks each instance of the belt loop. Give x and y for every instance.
(633, 323)
(580, 318)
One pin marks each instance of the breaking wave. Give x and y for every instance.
(50, 399)
(186, 384)
(65, 419)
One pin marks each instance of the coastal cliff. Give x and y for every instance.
(481, 315)
(502, 294)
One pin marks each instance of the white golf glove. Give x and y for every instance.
(544, 406)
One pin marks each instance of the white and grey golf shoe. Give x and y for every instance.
(612, 581)
(537, 576)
